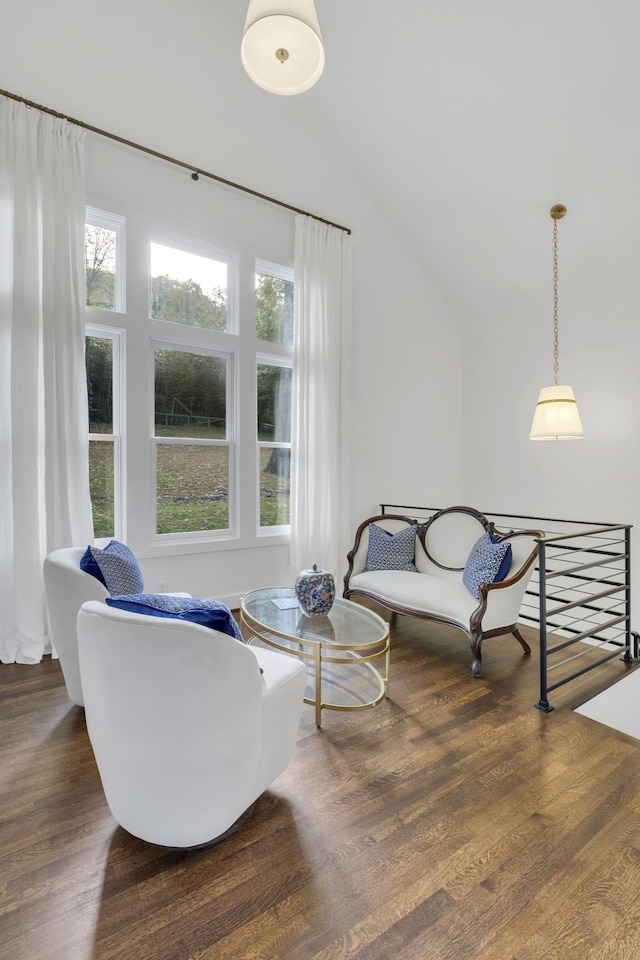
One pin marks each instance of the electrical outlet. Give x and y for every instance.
(164, 586)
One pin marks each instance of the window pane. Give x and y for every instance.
(190, 395)
(101, 486)
(274, 486)
(274, 403)
(192, 488)
(274, 424)
(99, 363)
(274, 309)
(100, 264)
(186, 288)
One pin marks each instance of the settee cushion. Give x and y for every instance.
(391, 551)
(209, 613)
(418, 593)
(489, 562)
(115, 566)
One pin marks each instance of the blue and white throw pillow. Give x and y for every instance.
(391, 551)
(209, 613)
(88, 565)
(117, 568)
(488, 562)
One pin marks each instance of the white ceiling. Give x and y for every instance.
(470, 120)
(464, 121)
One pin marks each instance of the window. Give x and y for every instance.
(103, 357)
(274, 325)
(208, 393)
(193, 457)
(274, 443)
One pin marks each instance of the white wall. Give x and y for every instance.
(508, 358)
(169, 78)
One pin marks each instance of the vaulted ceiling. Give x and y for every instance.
(465, 122)
(470, 120)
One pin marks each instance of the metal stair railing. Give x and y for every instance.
(579, 596)
(584, 598)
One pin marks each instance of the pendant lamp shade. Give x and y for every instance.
(556, 416)
(282, 45)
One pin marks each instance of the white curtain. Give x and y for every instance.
(320, 453)
(44, 486)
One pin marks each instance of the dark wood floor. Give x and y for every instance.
(452, 822)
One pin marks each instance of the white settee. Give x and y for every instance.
(435, 590)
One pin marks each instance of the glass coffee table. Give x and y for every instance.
(338, 648)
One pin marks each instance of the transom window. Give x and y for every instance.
(274, 304)
(104, 259)
(188, 288)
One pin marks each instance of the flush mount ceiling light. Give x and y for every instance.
(282, 45)
(556, 416)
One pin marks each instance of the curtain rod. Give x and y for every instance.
(196, 172)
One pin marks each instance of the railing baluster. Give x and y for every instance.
(543, 703)
(627, 595)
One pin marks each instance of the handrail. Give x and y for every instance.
(580, 533)
(492, 513)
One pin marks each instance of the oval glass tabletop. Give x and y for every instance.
(338, 648)
(347, 625)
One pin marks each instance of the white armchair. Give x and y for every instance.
(67, 587)
(186, 730)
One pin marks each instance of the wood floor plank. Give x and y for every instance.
(452, 821)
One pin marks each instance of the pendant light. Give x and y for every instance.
(282, 45)
(556, 416)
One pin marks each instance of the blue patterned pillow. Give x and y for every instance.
(488, 562)
(88, 564)
(391, 551)
(120, 570)
(209, 613)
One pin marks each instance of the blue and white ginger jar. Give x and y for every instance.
(316, 591)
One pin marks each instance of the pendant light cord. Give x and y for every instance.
(555, 302)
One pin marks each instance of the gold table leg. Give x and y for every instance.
(318, 684)
(387, 674)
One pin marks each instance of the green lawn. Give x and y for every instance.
(101, 487)
(192, 488)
